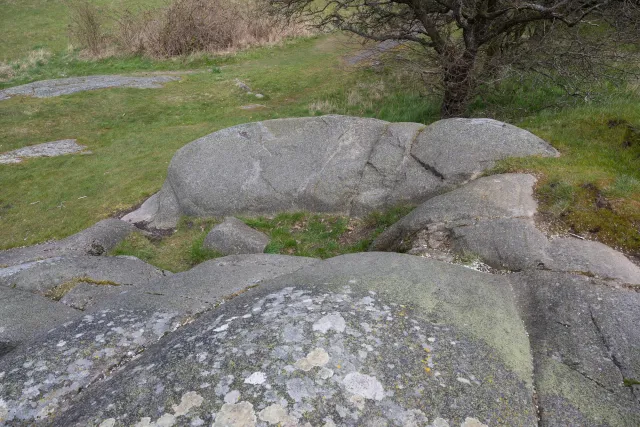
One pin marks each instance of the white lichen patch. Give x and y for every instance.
(189, 400)
(472, 422)
(4, 411)
(110, 422)
(440, 422)
(277, 415)
(364, 385)
(331, 321)
(232, 397)
(256, 378)
(236, 415)
(316, 358)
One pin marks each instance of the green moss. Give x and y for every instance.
(61, 290)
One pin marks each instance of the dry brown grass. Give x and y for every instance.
(184, 27)
(9, 70)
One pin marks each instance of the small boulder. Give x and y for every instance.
(234, 237)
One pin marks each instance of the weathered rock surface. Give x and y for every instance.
(497, 196)
(23, 315)
(460, 149)
(234, 237)
(47, 149)
(55, 367)
(366, 339)
(207, 284)
(586, 342)
(42, 276)
(95, 240)
(492, 218)
(333, 164)
(58, 87)
(584, 256)
(85, 295)
(509, 243)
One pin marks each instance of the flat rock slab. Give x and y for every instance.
(23, 315)
(234, 237)
(366, 339)
(42, 276)
(86, 295)
(335, 164)
(58, 87)
(586, 342)
(95, 240)
(585, 256)
(47, 149)
(207, 284)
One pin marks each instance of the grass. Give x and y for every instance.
(593, 189)
(297, 234)
(34, 24)
(177, 252)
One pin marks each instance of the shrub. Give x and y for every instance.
(86, 26)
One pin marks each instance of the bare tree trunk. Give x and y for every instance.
(458, 83)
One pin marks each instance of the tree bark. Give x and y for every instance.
(458, 83)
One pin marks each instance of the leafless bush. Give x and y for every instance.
(86, 26)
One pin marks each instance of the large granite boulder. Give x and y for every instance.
(335, 164)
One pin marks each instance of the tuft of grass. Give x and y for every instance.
(179, 251)
(630, 382)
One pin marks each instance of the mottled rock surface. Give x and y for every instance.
(23, 315)
(58, 87)
(333, 164)
(95, 240)
(47, 149)
(586, 343)
(367, 339)
(234, 237)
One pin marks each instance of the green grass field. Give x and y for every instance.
(133, 134)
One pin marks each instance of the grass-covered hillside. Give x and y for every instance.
(592, 190)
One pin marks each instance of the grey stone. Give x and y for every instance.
(207, 284)
(497, 196)
(85, 295)
(58, 87)
(510, 243)
(585, 341)
(585, 256)
(42, 276)
(95, 240)
(335, 164)
(417, 345)
(460, 149)
(23, 315)
(234, 237)
(47, 149)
